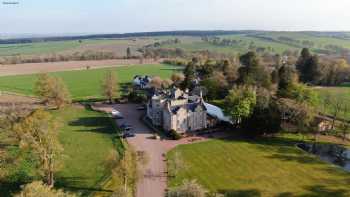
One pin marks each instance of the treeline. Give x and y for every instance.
(164, 42)
(180, 53)
(328, 49)
(262, 99)
(77, 56)
(226, 42)
(126, 35)
(223, 41)
(322, 71)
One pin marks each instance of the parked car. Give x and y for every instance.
(128, 134)
(116, 114)
(141, 108)
(125, 126)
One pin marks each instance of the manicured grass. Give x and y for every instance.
(269, 167)
(88, 138)
(85, 84)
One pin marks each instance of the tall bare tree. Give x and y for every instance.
(127, 168)
(60, 94)
(44, 86)
(38, 132)
(177, 78)
(156, 82)
(52, 90)
(109, 86)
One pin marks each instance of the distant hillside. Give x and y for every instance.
(125, 35)
(8, 39)
(223, 42)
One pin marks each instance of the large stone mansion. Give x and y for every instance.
(177, 110)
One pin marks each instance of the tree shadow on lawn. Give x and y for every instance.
(323, 191)
(75, 184)
(304, 159)
(280, 148)
(241, 193)
(100, 124)
(8, 188)
(172, 69)
(312, 191)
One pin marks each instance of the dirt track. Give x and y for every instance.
(32, 68)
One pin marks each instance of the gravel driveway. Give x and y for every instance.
(153, 183)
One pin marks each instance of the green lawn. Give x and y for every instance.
(258, 168)
(85, 84)
(88, 138)
(342, 92)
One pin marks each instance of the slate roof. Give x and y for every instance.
(189, 106)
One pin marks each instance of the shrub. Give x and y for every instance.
(188, 189)
(174, 135)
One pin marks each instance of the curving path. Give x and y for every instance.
(153, 183)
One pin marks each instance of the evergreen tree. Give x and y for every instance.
(190, 76)
(128, 53)
(308, 67)
(288, 77)
(252, 73)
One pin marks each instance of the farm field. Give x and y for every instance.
(37, 48)
(85, 84)
(88, 138)
(195, 43)
(189, 43)
(117, 46)
(320, 41)
(258, 168)
(33, 68)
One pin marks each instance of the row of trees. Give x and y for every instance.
(54, 92)
(325, 72)
(77, 56)
(36, 135)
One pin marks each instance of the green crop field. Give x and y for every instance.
(37, 48)
(85, 84)
(117, 46)
(266, 167)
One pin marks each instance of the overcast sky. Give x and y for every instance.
(120, 16)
